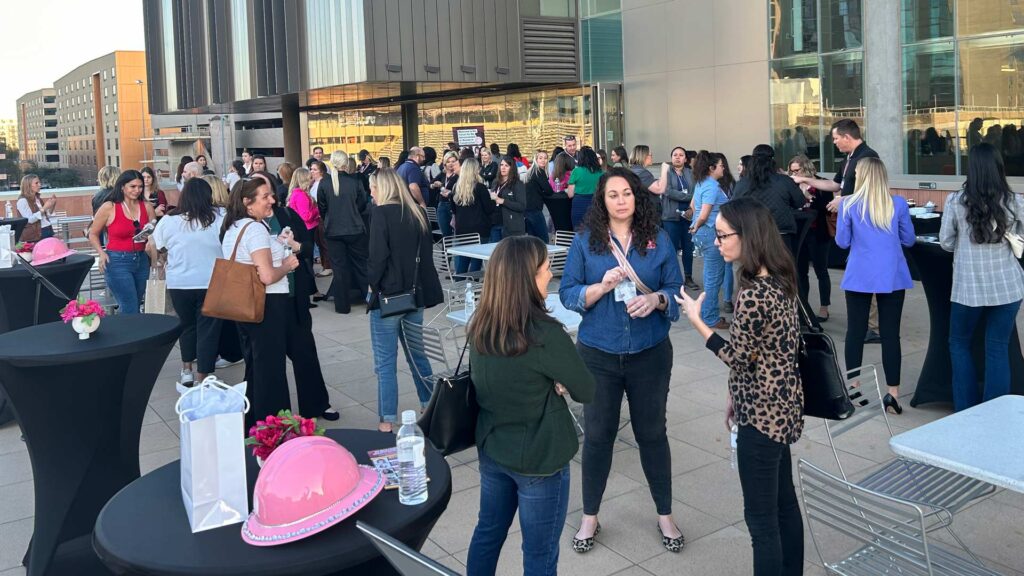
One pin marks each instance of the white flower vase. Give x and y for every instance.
(84, 329)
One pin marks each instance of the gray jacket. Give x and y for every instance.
(677, 195)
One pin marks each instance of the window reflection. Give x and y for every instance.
(929, 120)
(378, 130)
(981, 16)
(926, 19)
(793, 27)
(796, 108)
(842, 97)
(992, 80)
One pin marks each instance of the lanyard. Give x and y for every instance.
(682, 183)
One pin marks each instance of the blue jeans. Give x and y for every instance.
(728, 284)
(126, 276)
(999, 322)
(580, 205)
(385, 334)
(495, 234)
(464, 264)
(542, 502)
(536, 225)
(714, 274)
(444, 218)
(678, 231)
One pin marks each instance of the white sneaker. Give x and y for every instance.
(222, 363)
(186, 378)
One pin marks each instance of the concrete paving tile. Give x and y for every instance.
(870, 440)
(713, 489)
(454, 528)
(154, 460)
(685, 458)
(432, 550)
(361, 390)
(14, 539)
(156, 437)
(19, 571)
(452, 563)
(631, 571)
(17, 501)
(706, 432)
(822, 456)
(10, 438)
(726, 551)
(464, 477)
(600, 561)
(618, 484)
(1010, 497)
(990, 530)
(15, 467)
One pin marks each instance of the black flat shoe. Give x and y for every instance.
(321, 298)
(585, 544)
(892, 405)
(675, 545)
(872, 337)
(727, 307)
(689, 284)
(822, 319)
(331, 414)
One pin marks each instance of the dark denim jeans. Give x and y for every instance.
(998, 327)
(444, 218)
(126, 276)
(464, 264)
(770, 506)
(679, 232)
(537, 225)
(542, 502)
(644, 378)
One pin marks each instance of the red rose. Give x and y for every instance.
(308, 427)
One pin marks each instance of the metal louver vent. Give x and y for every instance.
(550, 49)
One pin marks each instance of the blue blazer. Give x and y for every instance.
(876, 264)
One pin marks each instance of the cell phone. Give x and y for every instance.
(144, 234)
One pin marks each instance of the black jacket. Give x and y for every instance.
(781, 195)
(305, 283)
(537, 189)
(489, 173)
(343, 212)
(101, 196)
(513, 210)
(392, 265)
(475, 218)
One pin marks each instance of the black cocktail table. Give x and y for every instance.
(80, 404)
(18, 291)
(144, 529)
(935, 384)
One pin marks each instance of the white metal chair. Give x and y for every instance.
(430, 342)
(562, 238)
(432, 220)
(446, 262)
(887, 534)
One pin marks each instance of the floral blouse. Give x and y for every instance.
(761, 352)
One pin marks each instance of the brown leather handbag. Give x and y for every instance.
(236, 291)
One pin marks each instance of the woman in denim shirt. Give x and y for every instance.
(623, 339)
(707, 197)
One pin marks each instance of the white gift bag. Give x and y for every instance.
(6, 246)
(213, 486)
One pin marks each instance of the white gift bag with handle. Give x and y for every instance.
(6, 247)
(213, 486)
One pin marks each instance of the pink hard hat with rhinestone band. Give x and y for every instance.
(48, 250)
(306, 486)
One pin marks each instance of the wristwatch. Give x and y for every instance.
(661, 299)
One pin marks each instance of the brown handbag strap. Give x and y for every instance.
(238, 240)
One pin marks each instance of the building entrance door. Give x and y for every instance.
(607, 115)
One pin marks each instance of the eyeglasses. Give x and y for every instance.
(138, 227)
(722, 237)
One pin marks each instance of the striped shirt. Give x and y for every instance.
(983, 274)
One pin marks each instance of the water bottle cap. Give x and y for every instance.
(409, 417)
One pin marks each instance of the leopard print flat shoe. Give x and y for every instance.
(673, 544)
(582, 545)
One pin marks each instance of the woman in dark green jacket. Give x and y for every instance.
(522, 364)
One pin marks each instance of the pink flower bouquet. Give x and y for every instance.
(87, 310)
(273, 431)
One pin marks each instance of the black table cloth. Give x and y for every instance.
(18, 291)
(837, 256)
(80, 404)
(935, 384)
(17, 223)
(144, 529)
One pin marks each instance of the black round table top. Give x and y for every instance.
(72, 261)
(58, 343)
(144, 528)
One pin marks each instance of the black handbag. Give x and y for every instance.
(449, 421)
(822, 378)
(403, 302)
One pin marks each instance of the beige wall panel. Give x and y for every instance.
(644, 34)
(691, 111)
(740, 30)
(741, 109)
(691, 37)
(646, 102)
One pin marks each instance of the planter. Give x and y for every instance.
(26, 256)
(83, 329)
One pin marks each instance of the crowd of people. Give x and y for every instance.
(629, 273)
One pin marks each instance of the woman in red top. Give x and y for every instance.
(124, 263)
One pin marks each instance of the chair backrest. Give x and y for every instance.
(431, 214)
(426, 340)
(405, 560)
(867, 399)
(442, 264)
(460, 240)
(457, 294)
(885, 528)
(562, 238)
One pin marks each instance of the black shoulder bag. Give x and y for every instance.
(822, 378)
(403, 302)
(449, 421)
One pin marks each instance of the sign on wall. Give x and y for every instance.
(471, 136)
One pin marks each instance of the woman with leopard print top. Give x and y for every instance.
(765, 396)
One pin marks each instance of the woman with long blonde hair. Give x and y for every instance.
(875, 226)
(31, 206)
(221, 194)
(400, 262)
(473, 210)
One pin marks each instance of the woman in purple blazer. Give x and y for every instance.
(875, 226)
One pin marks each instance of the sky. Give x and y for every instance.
(45, 39)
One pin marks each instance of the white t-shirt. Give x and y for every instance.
(257, 237)
(313, 189)
(36, 215)
(191, 250)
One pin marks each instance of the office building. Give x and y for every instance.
(102, 114)
(9, 133)
(37, 127)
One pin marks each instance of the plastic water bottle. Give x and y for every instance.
(470, 301)
(412, 462)
(732, 443)
(9, 213)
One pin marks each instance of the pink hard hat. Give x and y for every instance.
(48, 250)
(306, 486)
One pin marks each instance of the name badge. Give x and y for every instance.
(625, 291)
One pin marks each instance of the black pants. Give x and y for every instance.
(200, 335)
(348, 260)
(790, 241)
(815, 253)
(561, 213)
(301, 349)
(890, 309)
(264, 346)
(770, 506)
(644, 378)
(230, 345)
